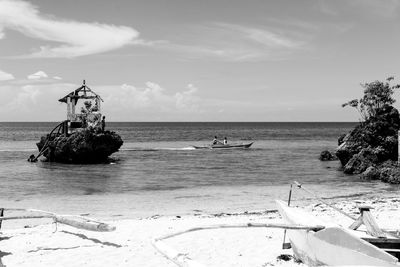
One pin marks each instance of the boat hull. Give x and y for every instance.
(224, 146)
(332, 246)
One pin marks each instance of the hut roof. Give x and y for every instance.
(83, 92)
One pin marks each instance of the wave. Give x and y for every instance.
(159, 149)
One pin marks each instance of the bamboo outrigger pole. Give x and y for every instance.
(71, 220)
(183, 260)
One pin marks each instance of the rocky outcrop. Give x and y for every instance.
(327, 156)
(389, 172)
(378, 133)
(361, 161)
(84, 146)
(370, 147)
(371, 173)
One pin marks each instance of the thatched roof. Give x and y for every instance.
(83, 92)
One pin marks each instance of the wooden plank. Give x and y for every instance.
(357, 223)
(371, 225)
(368, 220)
(383, 240)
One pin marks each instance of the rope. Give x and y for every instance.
(300, 186)
(47, 141)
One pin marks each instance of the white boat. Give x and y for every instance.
(220, 146)
(336, 245)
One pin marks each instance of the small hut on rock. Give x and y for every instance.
(80, 138)
(90, 115)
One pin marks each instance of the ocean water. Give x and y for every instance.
(158, 172)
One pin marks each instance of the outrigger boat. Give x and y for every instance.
(315, 242)
(224, 146)
(335, 245)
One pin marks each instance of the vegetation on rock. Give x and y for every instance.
(374, 142)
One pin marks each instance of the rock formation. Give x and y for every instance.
(83, 146)
(370, 143)
(371, 148)
(327, 156)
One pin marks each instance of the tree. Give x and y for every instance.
(377, 95)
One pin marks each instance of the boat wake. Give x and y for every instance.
(159, 149)
(18, 150)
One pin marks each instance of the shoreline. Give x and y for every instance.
(216, 200)
(130, 244)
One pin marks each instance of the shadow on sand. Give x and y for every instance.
(93, 239)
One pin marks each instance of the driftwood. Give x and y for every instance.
(183, 260)
(85, 224)
(71, 220)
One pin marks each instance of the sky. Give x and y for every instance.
(190, 60)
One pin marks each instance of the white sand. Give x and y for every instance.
(130, 244)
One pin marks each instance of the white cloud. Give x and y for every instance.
(231, 42)
(264, 37)
(75, 38)
(57, 78)
(38, 101)
(37, 75)
(4, 76)
(187, 100)
(153, 98)
(33, 102)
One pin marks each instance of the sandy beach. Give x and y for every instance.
(130, 244)
(157, 117)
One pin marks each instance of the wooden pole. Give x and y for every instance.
(1, 215)
(284, 244)
(398, 147)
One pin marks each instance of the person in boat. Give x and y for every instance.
(103, 123)
(225, 141)
(216, 141)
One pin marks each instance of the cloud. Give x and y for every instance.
(38, 101)
(75, 38)
(37, 75)
(153, 98)
(187, 100)
(4, 76)
(267, 38)
(369, 8)
(231, 42)
(33, 102)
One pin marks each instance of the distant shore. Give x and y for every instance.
(130, 244)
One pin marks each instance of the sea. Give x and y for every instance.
(158, 172)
